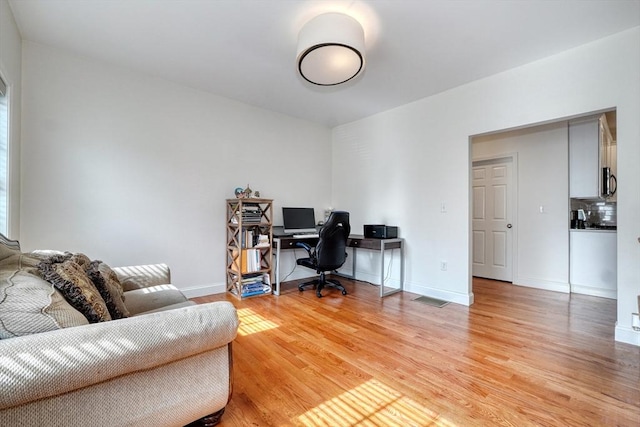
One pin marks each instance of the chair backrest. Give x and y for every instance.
(331, 250)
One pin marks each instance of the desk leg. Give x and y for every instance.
(382, 251)
(402, 265)
(383, 248)
(277, 289)
(353, 264)
(353, 267)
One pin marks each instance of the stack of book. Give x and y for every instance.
(247, 239)
(251, 260)
(255, 284)
(251, 213)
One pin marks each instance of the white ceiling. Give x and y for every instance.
(245, 49)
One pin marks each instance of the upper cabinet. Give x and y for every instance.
(590, 148)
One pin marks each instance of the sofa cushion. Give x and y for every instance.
(67, 273)
(152, 298)
(169, 307)
(29, 304)
(143, 276)
(107, 283)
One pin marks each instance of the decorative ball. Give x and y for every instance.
(239, 192)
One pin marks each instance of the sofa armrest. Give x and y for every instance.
(143, 276)
(52, 363)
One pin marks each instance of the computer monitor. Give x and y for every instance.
(299, 220)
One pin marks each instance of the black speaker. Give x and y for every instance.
(380, 231)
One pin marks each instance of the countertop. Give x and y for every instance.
(592, 230)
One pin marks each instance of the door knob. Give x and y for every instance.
(509, 225)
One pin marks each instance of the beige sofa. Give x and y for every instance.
(168, 364)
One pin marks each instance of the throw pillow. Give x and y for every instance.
(107, 283)
(42, 254)
(29, 304)
(66, 273)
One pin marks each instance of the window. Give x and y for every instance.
(4, 156)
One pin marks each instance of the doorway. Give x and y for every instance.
(540, 214)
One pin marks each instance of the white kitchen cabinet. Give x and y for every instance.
(584, 158)
(591, 148)
(593, 263)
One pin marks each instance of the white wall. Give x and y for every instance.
(11, 71)
(398, 166)
(133, 170)
(541, 240)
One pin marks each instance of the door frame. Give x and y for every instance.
(512, 194)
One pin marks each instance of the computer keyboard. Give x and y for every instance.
(305, 235)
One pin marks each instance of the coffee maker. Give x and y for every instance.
(577, 219)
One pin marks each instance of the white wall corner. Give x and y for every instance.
(627, 335)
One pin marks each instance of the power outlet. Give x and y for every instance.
(443, 265)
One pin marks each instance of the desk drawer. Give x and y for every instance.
(364, 243)
(373, 244)
(291, 243)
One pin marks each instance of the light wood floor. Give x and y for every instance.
(517, 357)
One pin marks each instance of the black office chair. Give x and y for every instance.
(329, 254)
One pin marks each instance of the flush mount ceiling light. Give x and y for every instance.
(330, 49)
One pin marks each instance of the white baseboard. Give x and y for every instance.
(203, 290)
(563, 287)
(596, 292)
(547, 285)
(391, 282)
(627, 335)
(458, 298)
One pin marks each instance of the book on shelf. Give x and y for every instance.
(247, 239)
(258, 292)
(251, 213)
(257, 284)
(250, 277)
(249, 259)
(252, 284)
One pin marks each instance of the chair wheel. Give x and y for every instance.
(344, 292)
(300, 288)
(319, 294)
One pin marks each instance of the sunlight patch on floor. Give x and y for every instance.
(251, 323)
(371, 404)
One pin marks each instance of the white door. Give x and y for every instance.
(492, 230)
